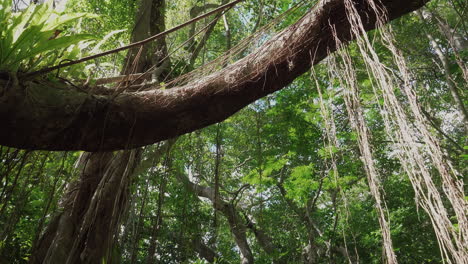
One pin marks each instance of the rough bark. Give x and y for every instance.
(83, 231)
(40, 114)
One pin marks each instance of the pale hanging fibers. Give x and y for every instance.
(347, 79)
(413, 155)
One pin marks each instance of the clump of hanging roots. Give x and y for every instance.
(347, 80)
(405, 131)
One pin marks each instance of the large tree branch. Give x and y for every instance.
(57, 116)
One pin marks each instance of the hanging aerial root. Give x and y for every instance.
(347, 79)
(413, 155)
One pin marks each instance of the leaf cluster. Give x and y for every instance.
(35, 37)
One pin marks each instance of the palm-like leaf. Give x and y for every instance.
(28, 36)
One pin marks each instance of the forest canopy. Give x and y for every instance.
(209, 131)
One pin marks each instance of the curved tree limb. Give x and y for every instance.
(57, 116)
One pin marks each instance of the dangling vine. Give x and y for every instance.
(406, 137)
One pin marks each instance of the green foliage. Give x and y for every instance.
(302, 184)
(32, 38)
(266, 175)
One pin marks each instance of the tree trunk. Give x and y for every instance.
(237, 223)
(135, 241)
(203, 250)
(158, 219)
(83, 231)
(265, 242)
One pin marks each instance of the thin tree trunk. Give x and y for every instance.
(235, 220)
(446, 68)
(22, 196)
(50, 199)
(158, 220)
(136, 238)
(265, 242)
